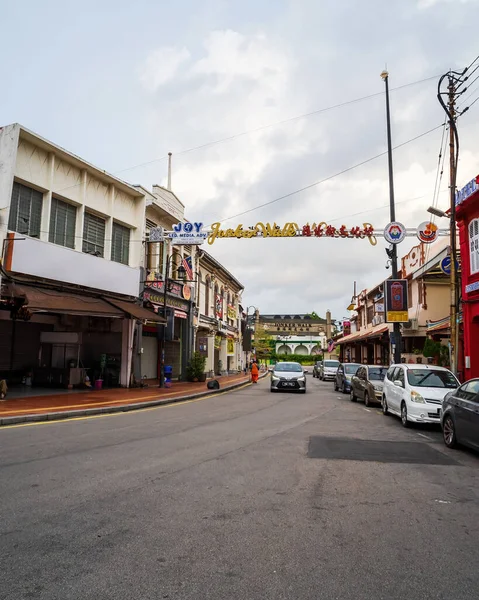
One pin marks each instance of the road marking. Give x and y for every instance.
(426, 436)
(366, 409)
(117, 414)
(442, 501)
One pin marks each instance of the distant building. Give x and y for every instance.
(297, 333)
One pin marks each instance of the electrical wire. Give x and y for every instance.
(307, 187)
(257, 129)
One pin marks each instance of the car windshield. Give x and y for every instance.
(331, 363)
(291, 367)
(432, 378)
(377, 373)
(351, 369)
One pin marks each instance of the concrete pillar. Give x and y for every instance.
(127, 334)
(47, 200)
(223, 354)
(109, 222)
(210, 361)
(328, 324)
(81, 214)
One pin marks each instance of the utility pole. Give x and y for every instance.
(392, 215)
(454, 343)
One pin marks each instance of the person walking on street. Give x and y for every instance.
(254, 373)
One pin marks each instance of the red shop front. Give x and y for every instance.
(467, 217)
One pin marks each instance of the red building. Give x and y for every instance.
(467, 217)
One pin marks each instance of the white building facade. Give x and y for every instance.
(219, 316)
(72, 246)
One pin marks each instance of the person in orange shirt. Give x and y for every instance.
(254, 373)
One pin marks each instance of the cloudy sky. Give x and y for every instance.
(122, 83)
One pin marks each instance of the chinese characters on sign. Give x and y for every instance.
(293, 230)
(231, 312)
(230, 346)
(219, 306)
(396, 301)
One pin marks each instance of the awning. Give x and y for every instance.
(136, 311)
(349, 338)
(52, 301)
(359, 336)
(180, 314)
(375, 332)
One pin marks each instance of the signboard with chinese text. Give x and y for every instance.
(231, 312)
(396, 298)
(230, 346)
(266, 230)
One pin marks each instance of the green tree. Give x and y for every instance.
(263, 342)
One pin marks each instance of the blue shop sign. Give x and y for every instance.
(467, 190)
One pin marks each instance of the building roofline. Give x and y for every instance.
(218, 265)
(31, 136)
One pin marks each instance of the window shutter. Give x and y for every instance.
(25, 210)
(120, 244)
(62, 223)
(93, 234)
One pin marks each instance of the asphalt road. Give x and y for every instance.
(247, 495)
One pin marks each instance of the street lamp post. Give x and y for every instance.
(181, 274)
(392, 212)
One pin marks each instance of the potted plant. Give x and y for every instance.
(432, 350)
(195, 371)
(416, 351)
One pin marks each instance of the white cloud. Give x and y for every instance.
(161, 66)
(425, 4)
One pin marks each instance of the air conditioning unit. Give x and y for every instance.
(411, 325)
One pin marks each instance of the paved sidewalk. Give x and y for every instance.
(91, 402)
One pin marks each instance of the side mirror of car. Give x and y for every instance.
(305, 371)
(397, 383)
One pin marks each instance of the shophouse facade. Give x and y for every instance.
(72, 243)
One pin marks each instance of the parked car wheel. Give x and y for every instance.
(404, 418)
(343, 389)
(366, 399)
(385, 406)
(449, 432)
(335, 385)
(352, 396)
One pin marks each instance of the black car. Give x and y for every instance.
(460, 415)
(344, 373)
(316, 367)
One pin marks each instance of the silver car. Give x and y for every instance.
(288, 376)
(328, 370)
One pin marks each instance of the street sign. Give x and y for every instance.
(394, 232)
(156, 235)
(396, 301)
(445, 265)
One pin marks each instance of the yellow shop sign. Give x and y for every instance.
(266, 230)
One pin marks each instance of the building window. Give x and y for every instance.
(120, 244)
(25, 210)
(93, 235)
(420, 291)
(207, 296)
(409, 293)
(370, 314)
(62, 223)
(474, 245)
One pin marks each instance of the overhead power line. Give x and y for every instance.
(311, 185)
(275, 124)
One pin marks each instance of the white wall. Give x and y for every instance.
(49, 261)
(51, 170)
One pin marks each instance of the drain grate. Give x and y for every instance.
(333, 448)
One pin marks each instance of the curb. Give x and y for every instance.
(69, 414)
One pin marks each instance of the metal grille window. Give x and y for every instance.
(94, 235)
(62, 223)
(25, 210)
(474, 245)
(120, 244)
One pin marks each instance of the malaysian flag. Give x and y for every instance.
(331, 345)
(188, 265)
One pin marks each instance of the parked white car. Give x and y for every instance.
(415, 392)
